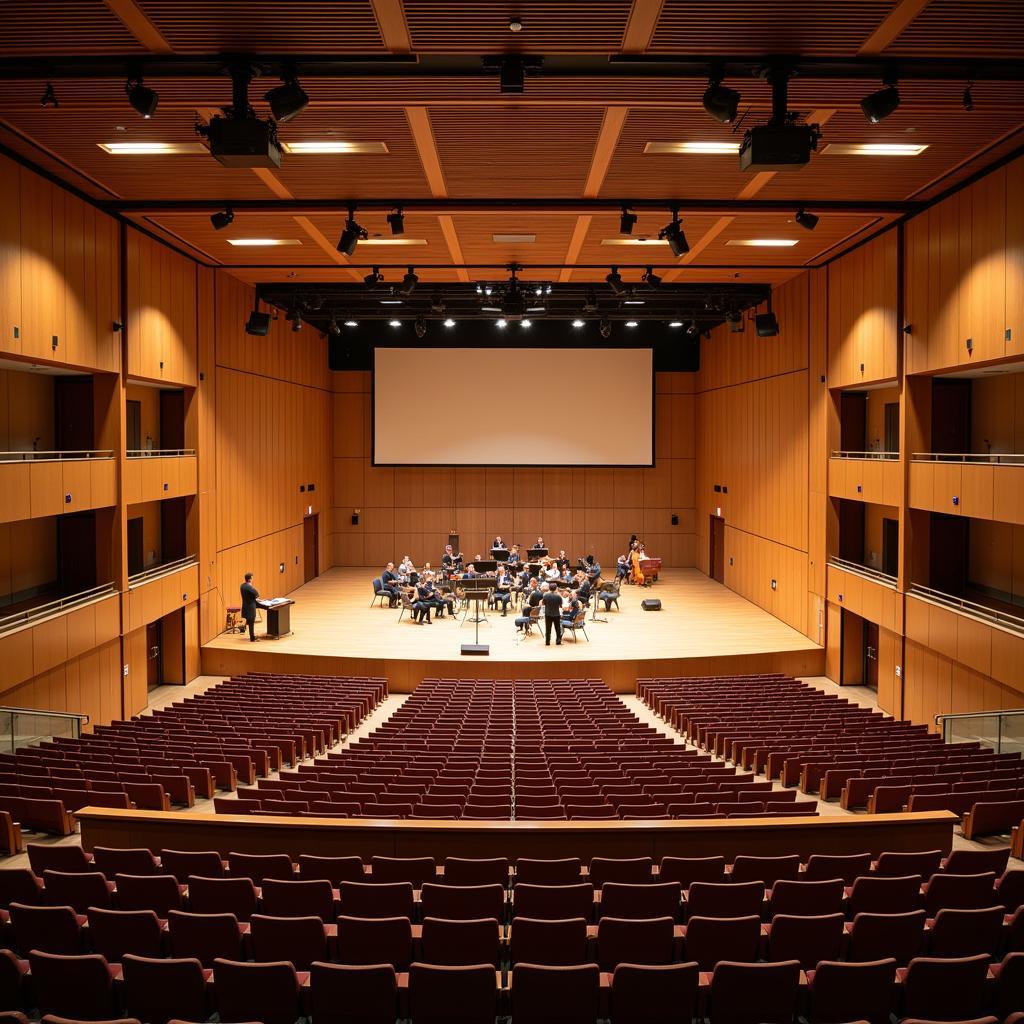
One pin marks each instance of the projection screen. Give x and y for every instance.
(513, 407)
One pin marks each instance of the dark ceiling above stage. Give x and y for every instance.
(577, 133)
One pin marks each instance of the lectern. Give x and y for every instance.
(279, 617)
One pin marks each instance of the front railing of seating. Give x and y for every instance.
(970, 458)
(68, 456)
(154, 572)
(890, 456)
(20, 727)
(996, 617)
(27, 616)
(1001, 730)
(875, 575)
(158, 453)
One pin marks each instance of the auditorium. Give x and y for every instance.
(512, 512)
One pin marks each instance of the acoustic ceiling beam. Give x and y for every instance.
(590, 66)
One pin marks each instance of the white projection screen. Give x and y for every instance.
(458, 407)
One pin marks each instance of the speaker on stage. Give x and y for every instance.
(651, 604)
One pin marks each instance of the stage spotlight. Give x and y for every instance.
(333, 326)
(734, 318)
(394, 323)
(650, 278)
(879, 105)
(143, 100)
(720, 102)
(352, 234)
(501, 323)
(222, 218)
(614, 281)
(287, 100)
(605, 329)
(808, 221)
(632, 323)
(296, 320)
(449, 322)
(409, 282)
(258, 323)
(351, 323)
(420, 327)
(692, 329)
(525, 324)
(766, 324)
(373, 278)
(968, 97)
(674, 235)
(577, 323)
(675, 323)
(396, 221)
(627, 221)
(49, 97)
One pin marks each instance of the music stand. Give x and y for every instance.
(485, 565)
(595, 592)
(477, 589)
(499, 554)
(538, 552)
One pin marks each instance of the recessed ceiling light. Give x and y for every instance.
(390, 302)
(634, 302)
(631, 323)
(264, 241)
(873, 149)
(579, 323)
(449, 322)
(394, 241)
(395, 323)
(707, 148)
(764, 243)
(317, 147)
(351, 323)
(676, 323)
(525, 323)
(633, 241)
(501, 323)
(514, 239)
(153, 148)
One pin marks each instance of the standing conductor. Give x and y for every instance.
(249, 596)
(552, 614)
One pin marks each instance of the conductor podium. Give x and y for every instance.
(279, 617)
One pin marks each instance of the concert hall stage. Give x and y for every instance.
(702, 629)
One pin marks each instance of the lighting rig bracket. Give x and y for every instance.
(238, 138)
(782, 144)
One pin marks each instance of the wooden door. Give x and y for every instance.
(136, 555)
(890, 546)
(311, 547)
(73, 419)
(948, 554)
(10, 259)
(172, 420)
(716, 554)
(851, 531)
(133, 425)
(42, 283)
(154, 654)
(892, 426)
(853, 412)
(76, 552)
(172, 529)
(951, 416)
(871, 654)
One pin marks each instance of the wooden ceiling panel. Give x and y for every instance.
(548, 27)
(270, 26)
(952, 28)
(514, 150)
(552, 232)
(417, 225)
(649, 222)
(329, 275)
(398, 172)
(758, 26)
(62, 26)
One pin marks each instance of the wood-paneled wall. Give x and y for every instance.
(411, 511)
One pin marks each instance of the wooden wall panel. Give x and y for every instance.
(587, 510)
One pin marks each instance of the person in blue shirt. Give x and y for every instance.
(502, 590)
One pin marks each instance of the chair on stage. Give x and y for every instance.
(407, 606)
(610, 594)
(379, 592)
(579, 623)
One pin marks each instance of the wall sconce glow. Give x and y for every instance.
(764, 243)
(873, 149)
(328, 147)
(704, 148)
(153, 148)
(263, 241)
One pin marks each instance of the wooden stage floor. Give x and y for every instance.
(703, 628)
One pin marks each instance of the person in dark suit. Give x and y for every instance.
(249, 597)
(552, 615)
(390, 582)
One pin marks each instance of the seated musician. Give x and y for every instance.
(570, 609)
(498, 543)
(424, 601)
(470, 573)
(513, 555)
(449, 560)
(390, 582)
(529, 603)
(622, 567)
(550, 571)
(585, 588)
(502, 590)
(539, 544)
(562, 561)
(405, 567)
(441, 600)
(593, 568)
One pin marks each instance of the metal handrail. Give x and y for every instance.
(980, 611)
(158, 453)
(875, 575)
(988, 459)
(889, 456)
(999, 716)
(42, 611)
(65, 456)
(163, 569)
(47, 714)
(966, 714)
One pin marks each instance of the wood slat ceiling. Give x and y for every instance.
(30, 27)
(953, 28)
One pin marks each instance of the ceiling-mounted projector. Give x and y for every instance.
(243, 142)
(783, 147)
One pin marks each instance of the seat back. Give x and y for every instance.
(644, 993)
(113, 933)
(461, 943)
(298, 898)
(332, 869)
(300, 940)
(342, 993)
(805, 938)
(159, 893)
(728, 899)
(754, 993)
(206, 937)
(375, 899)
(937, 988)
(434, 990)
(554, 902)
(711, 939)
(381, 940)
(73, 986)
(222, 896)
(566, 994)
(639, 901)
(267, 992)
(156, 989)
(846, 991)
(560, 942)
(634, 941)
(50, 929)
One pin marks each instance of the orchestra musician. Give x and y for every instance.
(449, 560)
(502, 590)
(423, 603)
(539, 545)
(405, 567)
(562, 560)
(498, 543)
(635, 574)
(390, 582)
(513, 555)
(571, 610)
(470, 573)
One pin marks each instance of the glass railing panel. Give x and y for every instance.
(974, 458)
(1011, 734)
(889, 456)
(972, 608)
(158, 453)
(863, 570)
(27, 616)
(67, 456)
(156, 571)
(22, 727)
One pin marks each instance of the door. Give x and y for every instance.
(851, 531)
(853, 420)
(892, 426)
(136, 558)
(716, 555)
(172, 529)
(154, 643)
(890, 547)
(311, 547)
(871, 654)
(76, 552)
(172, 420)
(133, 425)
(948, 552)
(72, 406)
(951, 416)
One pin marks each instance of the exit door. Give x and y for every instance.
(311, 547)
(154, 654)
(871, 654)
(716, 555)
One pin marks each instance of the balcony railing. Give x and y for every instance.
(1002, 730)
(163, 569)
(875, 575)
(970, 458)
(158, 453)
(21, 726)
(972, 608)
(889, 456)
(28, 616)
(54, 456)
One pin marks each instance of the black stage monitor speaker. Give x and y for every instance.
(651, 604)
